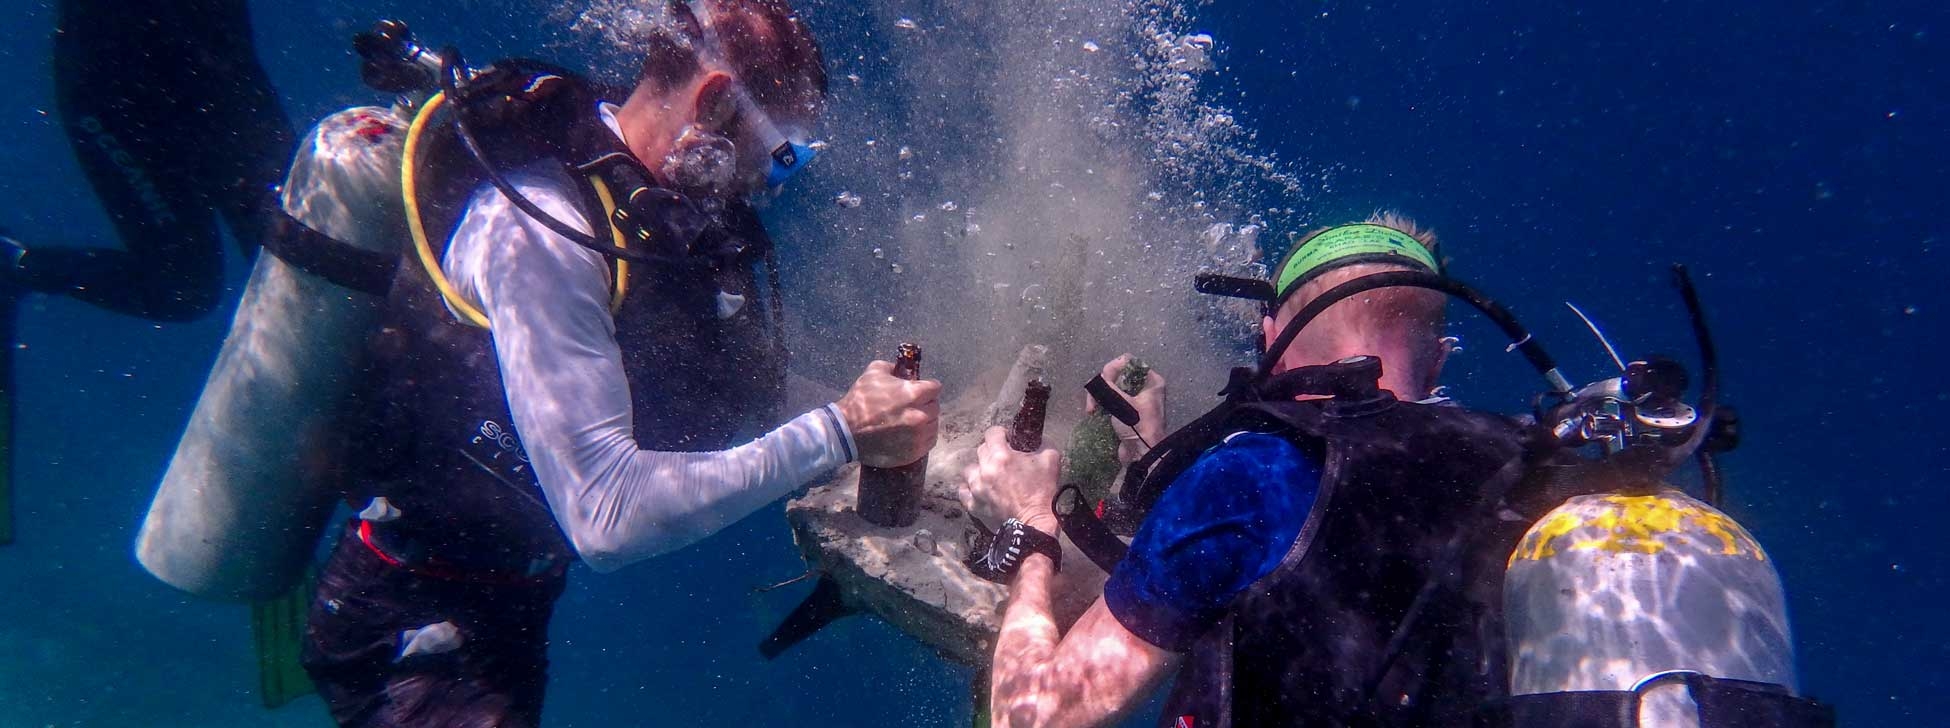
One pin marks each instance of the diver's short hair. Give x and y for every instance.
(1393, 220)
(766, 43)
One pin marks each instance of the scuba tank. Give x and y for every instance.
(238, 512)
(1634, 600)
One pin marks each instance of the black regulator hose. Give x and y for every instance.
(1709, 396)
(1520, 337)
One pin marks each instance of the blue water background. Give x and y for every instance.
(1792, 153)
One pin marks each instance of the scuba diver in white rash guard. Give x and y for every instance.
(578, 357)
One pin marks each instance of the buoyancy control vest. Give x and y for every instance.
(1327, 637)
(438, 439)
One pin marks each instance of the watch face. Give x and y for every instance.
(990, 557)
(997, 557)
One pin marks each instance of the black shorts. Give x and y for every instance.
(495, 679)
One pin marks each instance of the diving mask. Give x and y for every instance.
(786, 154)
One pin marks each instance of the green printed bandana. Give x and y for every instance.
(1349, 244)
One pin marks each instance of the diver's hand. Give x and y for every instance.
(1150, 405)
(1003, 484)
(894, 421)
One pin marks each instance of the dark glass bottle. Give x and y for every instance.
(1026, 433)
(892, 496)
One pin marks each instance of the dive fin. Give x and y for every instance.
(278, 629)
(824, 605)
(979, 694)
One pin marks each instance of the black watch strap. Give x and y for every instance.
(997, 558)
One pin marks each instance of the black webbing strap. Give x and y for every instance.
(1078, 519)
(1111, 401)
(321, 255)
(1722, 703)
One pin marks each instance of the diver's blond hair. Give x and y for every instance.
(1391, 219)
(1395, 220)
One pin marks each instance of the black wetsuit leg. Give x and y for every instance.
(175, 125)
(495, 678)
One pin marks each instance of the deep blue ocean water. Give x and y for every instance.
(1794, 154)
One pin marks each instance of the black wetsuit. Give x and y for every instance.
(175, 124)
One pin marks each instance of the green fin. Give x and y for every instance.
(278, 628)
(978, 692)
(9, 303)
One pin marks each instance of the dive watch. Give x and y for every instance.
(1002, 555)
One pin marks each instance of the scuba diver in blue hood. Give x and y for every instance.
(578, 355)
(1336, 546)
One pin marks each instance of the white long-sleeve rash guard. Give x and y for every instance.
(547, 299)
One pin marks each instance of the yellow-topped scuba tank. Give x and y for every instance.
(1635, 595)
(1607, 592)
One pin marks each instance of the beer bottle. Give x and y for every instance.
(1026, 433)
(892, 496)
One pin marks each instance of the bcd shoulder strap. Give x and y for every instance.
(1247, 405)
(520, 111)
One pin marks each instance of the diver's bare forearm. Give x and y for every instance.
(1092, 676)
(1025, 648)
